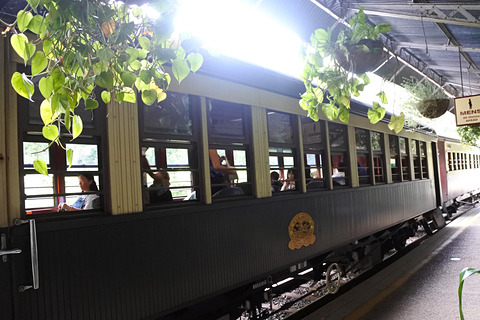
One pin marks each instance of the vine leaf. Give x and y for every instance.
(50, 132)
(376, 113)
(39, 62)
(40, 166)
(22, 85)
(77, 126)
(149, 97)
(46, 112)
(397, 122)
(464, 274)
(22, 47)
(69, 157)
(106, 96)
(195, 60)
(180, 69)
(23, 19)
(46, 87)
(91, 104)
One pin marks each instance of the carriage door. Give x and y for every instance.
(19, 278)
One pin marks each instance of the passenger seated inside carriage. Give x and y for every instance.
(222, 176)
(338, 175)
(84, 202)
(275, 182)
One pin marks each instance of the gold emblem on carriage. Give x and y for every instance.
(301, 231)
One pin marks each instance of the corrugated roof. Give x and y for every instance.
(438, 39)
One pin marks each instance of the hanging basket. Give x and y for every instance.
(359, 61)
(433, 108)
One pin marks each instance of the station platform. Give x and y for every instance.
(423, 284)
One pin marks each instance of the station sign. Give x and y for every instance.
(467, 110)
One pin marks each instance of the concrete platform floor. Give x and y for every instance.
(421, 285)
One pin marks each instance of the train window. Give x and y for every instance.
(230, 174)
(337, 134)
(378, 157)
(416, 159)
(42, 194)
(404, 160)
(282, 152)
(169, 157)
(314, 153)
(450, 161)
(395, 159)
(363, 156)
(423, 160)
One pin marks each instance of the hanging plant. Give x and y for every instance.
(429, 100)
(76, 46)
(330, 86)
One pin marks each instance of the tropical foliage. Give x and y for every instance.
(327, 78)
(75, 46)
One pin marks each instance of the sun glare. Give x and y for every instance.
(238, 30)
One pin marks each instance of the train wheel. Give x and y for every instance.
(333, 278)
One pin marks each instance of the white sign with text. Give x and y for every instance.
(467, 110)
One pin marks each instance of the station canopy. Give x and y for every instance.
(434, 39)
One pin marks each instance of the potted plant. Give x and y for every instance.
(428, 99)
(354, 52)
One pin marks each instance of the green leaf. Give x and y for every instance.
(91, 104)
(77, 126)
(67, 121)
(22, 85)
(46, 87)
(37, 25)
(34, 4)
(129, 96)
(330, 111)
(383, 97)
(58, 79)
(344, 114)
(105, 80)
(376, 113)
(23, 19)
(145, 43)
(46, 112)
(69, 157)
(397, 122)
(105, 54)
(149, 97)
(50, 132)
(146, 76)
(128, 78)
(39, 63)
(22, 47)
(60, 102)
(47, 46)
(180, 69)
(195, 60)
(464, 274)
(135, 65)
(106, 96)
(40, 166)
(383, 28)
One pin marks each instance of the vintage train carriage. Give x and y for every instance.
(135, 259)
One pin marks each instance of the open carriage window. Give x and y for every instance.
(62, 189)
(169, 157)
(363, 156)
(314, 153)
(229, 149)
(339, 155)
(282, 152)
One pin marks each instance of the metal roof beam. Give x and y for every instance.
(440, 47)
(457, 14)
